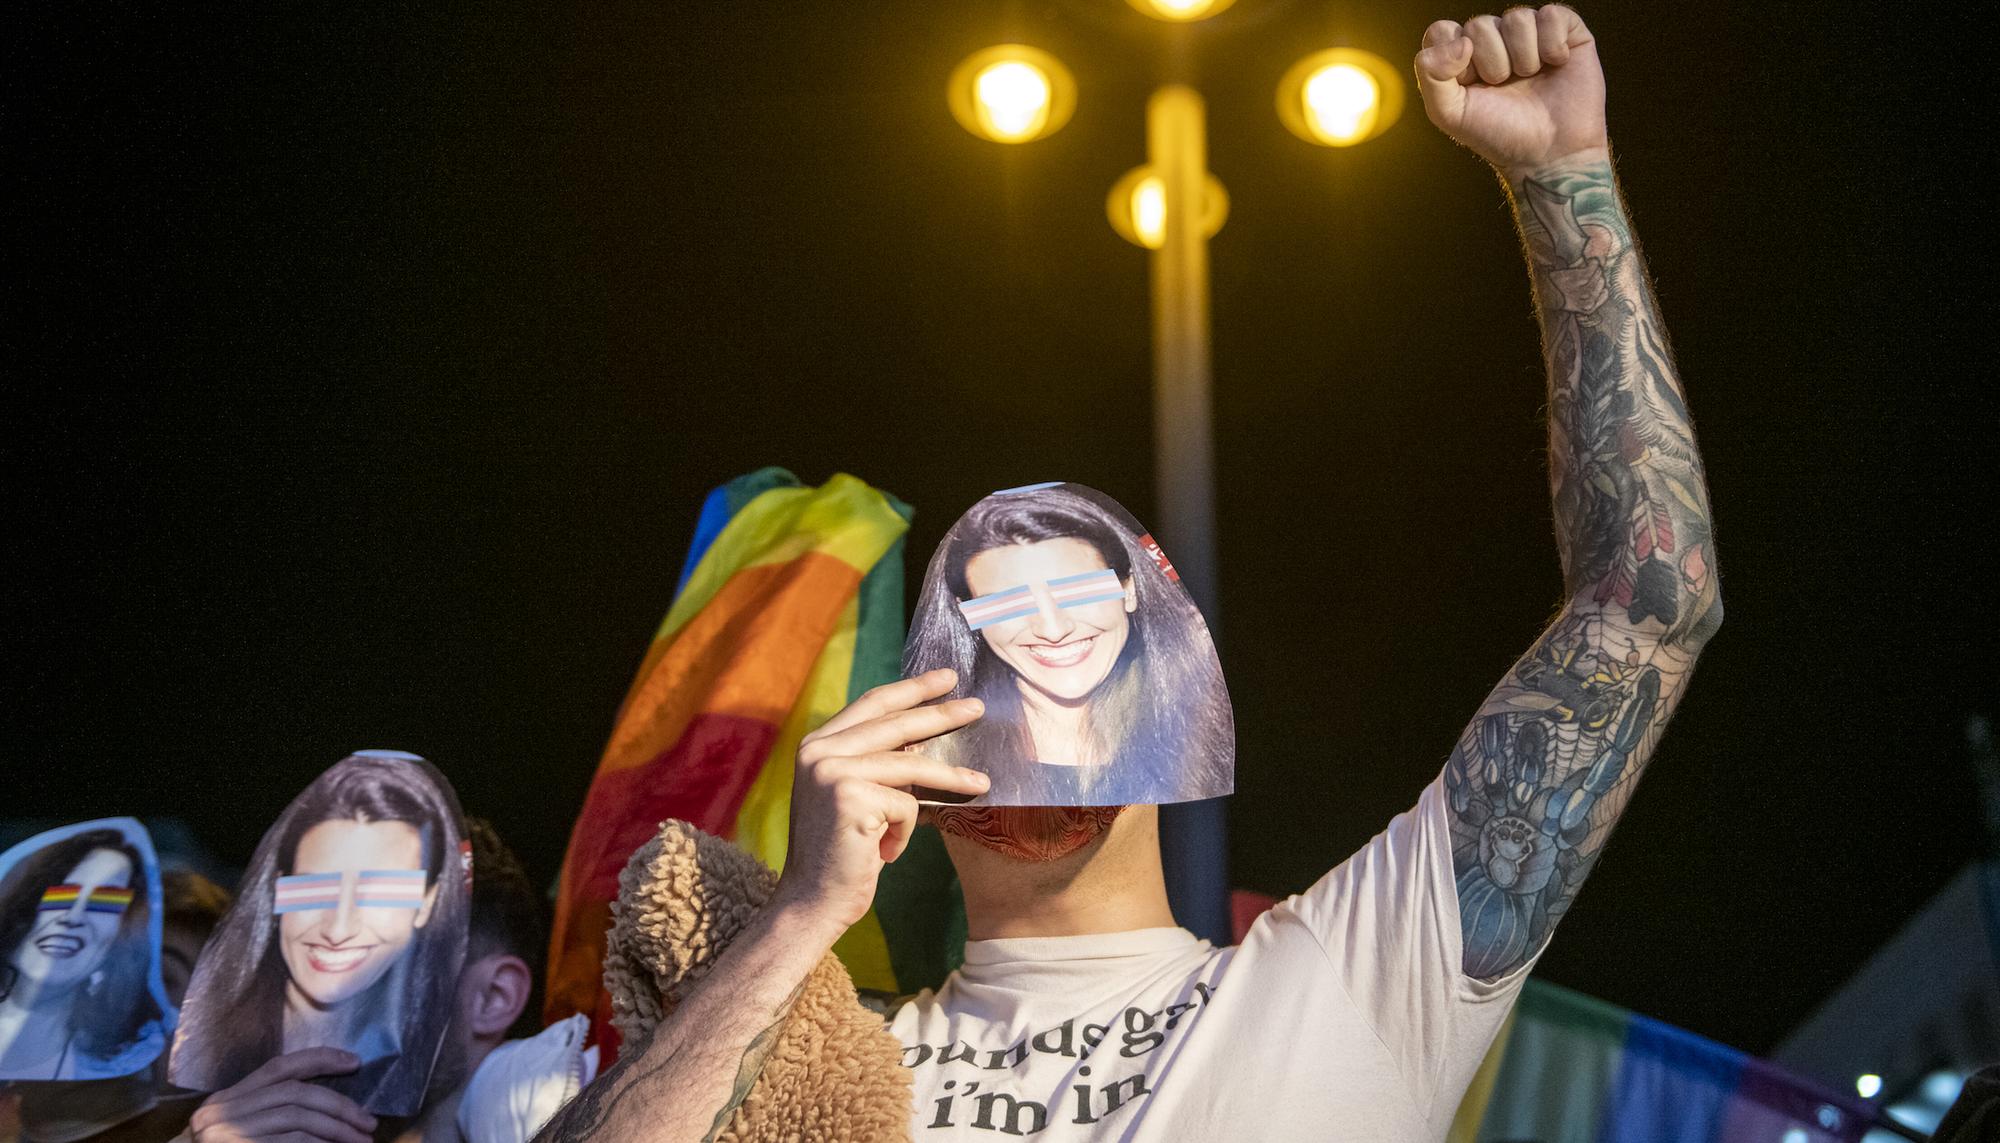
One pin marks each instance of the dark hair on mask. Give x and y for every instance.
(115, 1012)
(1164, 696)
(234, 1018)
(508, 916)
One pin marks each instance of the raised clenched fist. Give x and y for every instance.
(1522, 89)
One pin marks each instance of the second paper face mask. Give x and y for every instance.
(348, 932)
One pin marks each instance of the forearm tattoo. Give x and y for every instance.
(1546, 766)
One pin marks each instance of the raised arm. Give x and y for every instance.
(851, 814)
(1549, 762)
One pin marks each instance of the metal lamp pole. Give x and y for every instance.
(1194, 838)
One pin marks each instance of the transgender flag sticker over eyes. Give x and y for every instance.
(374, 889)
(307, 891)
(1019, 602)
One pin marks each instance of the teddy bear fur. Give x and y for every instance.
(835, 1072)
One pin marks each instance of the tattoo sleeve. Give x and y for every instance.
(1537, 780)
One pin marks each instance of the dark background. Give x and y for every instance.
(366, 373)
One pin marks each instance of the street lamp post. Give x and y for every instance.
(1172, 206)
(1183, 445)
(1193, 835)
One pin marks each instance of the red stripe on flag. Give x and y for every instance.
(701, 780)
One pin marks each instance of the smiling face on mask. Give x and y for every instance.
(1063, 617)
(77, 922)
(352, 904)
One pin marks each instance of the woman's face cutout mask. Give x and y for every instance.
(80, 913)
(1100, 681)
(349, 932)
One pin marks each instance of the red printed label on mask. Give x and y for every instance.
(1159, 555)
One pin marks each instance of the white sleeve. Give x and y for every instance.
(1387, 920)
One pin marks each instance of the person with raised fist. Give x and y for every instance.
(1361, 1008)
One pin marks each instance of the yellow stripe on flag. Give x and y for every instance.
(865, 952)
(763, 824)
(843, 518)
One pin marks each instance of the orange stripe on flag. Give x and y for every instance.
(746, 654)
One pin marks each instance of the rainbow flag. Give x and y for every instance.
(1568, 1067)
(790, 604)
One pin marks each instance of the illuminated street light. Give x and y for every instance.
(1340, 97)
(1137, 207)
(1011, 93)
(1180, 11)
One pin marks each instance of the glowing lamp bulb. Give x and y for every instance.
(1341, 102)
(1149, 212)
(1013, 98)
(1179, 9)
(1137, 208)
(1869, 1086)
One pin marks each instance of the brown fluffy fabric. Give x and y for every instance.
(835, 1073)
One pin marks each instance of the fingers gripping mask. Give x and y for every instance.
(1099, 677)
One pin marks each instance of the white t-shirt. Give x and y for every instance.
(1342, 1015)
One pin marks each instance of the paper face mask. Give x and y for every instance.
(80, 990)
(1099, 677)
(348, 931)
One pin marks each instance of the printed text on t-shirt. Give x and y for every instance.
(1134, 1033)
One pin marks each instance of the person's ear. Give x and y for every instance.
(430, 903)
(1131, 595)
(502, 983)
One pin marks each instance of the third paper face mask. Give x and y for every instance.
(80, 990)
(1100, 680)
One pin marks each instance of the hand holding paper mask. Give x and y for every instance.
(280, 1101)
(1101, 683)
(80, 990)
(349, 933)
(852, 812)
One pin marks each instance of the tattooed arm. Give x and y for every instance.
(1549, 762)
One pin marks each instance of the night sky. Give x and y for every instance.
(364, 377)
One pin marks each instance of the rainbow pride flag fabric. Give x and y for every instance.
(790, 604)
(1567, 1067)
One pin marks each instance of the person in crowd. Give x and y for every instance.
(493, 999)
(1361, 1008)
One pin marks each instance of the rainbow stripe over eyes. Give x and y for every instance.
(373, 889)
(1019, 602)
(103, 899)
